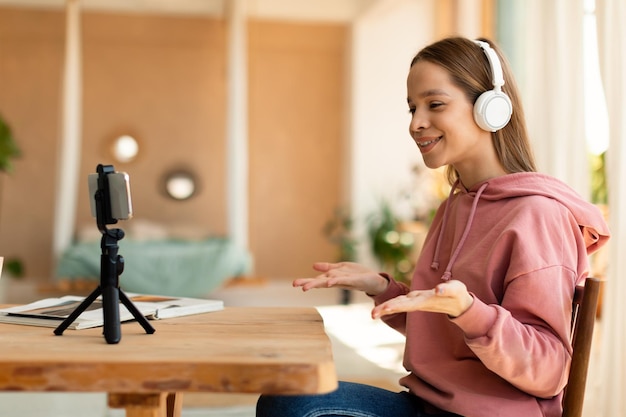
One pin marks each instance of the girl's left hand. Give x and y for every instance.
(451, 298)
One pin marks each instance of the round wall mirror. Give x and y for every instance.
(125, 148)
(180, 185)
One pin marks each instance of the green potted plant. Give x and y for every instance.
(338, 230)
(599, 194)
(8, 147)
(8, 151)
(391, 245)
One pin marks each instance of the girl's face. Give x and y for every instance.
(442, 122)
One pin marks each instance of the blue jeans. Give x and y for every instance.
(349, 400)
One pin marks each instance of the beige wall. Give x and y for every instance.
(31, 58)
(297, 116)
(163, 79)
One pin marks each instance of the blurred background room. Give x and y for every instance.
(261, 136)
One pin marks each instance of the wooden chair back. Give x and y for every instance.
(585, 305)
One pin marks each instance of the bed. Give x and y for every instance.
(161, 264)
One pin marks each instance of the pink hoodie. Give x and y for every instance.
(519, 243)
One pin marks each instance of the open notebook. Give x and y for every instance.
(50, 312)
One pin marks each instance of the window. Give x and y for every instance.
(596, 115)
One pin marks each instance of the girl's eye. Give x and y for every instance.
(436, 104)
(412, 110)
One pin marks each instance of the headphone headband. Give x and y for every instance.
(493, 108)
(494, 63)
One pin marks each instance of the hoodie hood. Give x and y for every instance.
(588, 216)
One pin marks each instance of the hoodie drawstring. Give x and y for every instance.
(446, 212)
(447, 275)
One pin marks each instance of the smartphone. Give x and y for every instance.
(119, 195)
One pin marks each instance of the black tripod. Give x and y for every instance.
(111, 266)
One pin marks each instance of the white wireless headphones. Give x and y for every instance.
(493, 108)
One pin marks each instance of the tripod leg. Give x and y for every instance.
(136, 313)
(111, 312)
(77, 312)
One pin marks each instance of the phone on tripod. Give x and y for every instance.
(110, 201)
(119, 194)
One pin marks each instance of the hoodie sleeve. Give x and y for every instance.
(394, 289)
(517, 340)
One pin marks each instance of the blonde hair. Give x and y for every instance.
(470, 71)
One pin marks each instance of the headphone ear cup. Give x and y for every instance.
(492, 110)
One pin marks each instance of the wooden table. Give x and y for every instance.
(237, 350)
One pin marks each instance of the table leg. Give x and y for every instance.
(174, 404)
(162, 404)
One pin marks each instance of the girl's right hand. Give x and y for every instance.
(347, 275)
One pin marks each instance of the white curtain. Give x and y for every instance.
(70, 147)
(237, 126)
(551, 80)
(611, 23)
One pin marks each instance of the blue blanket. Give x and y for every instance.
(184, 268)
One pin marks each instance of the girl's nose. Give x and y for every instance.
(418, 122)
